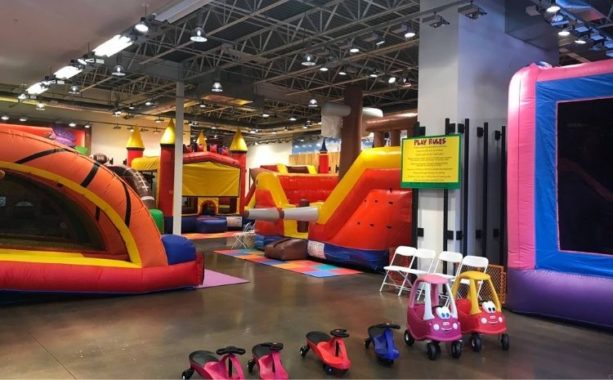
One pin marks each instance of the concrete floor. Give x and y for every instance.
(150, 336)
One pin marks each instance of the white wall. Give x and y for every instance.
(464, 72)
(268, 154)
(112, 142)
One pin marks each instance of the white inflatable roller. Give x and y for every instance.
(302, 214)
(269, 214)
(371, 113)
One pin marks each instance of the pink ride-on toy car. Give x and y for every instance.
(435, 323)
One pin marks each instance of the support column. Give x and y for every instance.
(464, 72)
(395, 137)
(351, 135)
(201, 142)
(177, 199)
(378, 139)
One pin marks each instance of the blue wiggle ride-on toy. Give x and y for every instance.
(382, 336)
(209, 366)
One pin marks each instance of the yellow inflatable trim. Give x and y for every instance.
(117, 220)
(57, 257)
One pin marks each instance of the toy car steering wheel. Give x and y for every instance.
(388, 325)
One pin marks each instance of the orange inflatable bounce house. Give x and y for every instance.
(68, 224)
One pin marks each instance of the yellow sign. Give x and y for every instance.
(431, 162)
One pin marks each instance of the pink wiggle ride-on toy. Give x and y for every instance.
(267, 357)
(330, 349)
(435, 323)
(209, 366)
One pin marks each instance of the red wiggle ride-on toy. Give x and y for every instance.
(330, 349)
(267, 357)
(209, 366)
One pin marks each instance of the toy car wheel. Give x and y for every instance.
(250, 365)
(304, 350)
(475, 342)
(438, 347)
(456, 349)
(431, 351)
(408, 339)
(504, 341)
(367, 342)
(187, 374)
(328, 370)
(386, 361)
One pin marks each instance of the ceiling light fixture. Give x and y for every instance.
(292, 119)
(564, 32)
(353, 49)
(142, 26)
(37, 88)
(438, 21)
(72, 124)
(265, 115)
(581, 41)
(113, 46)
(342, 72)
(148, 103)
(87, 126)
(5, 117)
(391, 79)
(313, 103)
(119, 71)
(202, 105)
(67, 72)
(373, 74)
(159, 120)
(217, 87)
(74, 90)
(131, 106)
(472, 11)
(117, 113)
(308, 60)
(40, 106)
(198, 35)
(22, 96)
(323, 69)
(23, 119)
(553, 8)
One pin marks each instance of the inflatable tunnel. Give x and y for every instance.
(560, 192)
(68, 224)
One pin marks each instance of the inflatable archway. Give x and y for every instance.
(129, 254)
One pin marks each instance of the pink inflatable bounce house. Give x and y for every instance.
(560, 192)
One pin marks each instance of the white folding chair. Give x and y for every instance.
(245, 237)
(395, 267)
(453, 260)
(477, 263)
(407, 271)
